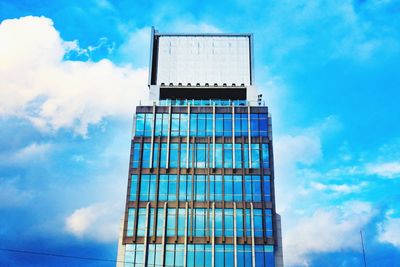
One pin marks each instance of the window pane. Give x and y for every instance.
(237, 188)
(228, 187)
(132, 195)
(141, 222)
(172, 187)
(160, 221)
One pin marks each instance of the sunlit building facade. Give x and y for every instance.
(201, 180)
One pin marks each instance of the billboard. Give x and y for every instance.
(201, 59)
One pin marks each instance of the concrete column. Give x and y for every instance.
(146, 234)
(234, 235)
(164, 235)
(253, 246)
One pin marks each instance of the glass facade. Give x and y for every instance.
(200, 191)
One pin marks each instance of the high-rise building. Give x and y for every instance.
(201, 176)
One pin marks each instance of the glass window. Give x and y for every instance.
(148, 187)
(247, 188)
(211, 188)
(258, 227)
(240, 256)
(265, 155)
(136, 155)
(256, 187)
(227, 155)
(208, 255)
(144, 187)
(199, 227)
(179, 255)
(139, 128)
(163, 156)
(151, 222)
(238, 155)
(268, 222)
(163, 188)
(160, 221)
(263, 124)
(209, 125)
(193, 124)
(200, 187)
(132, 195)
(238, 131)
(171, 221)
(183, 184)
(200, 155)
(174, 155)
(191, 154)
(267, 188)
(158, 127)
(246, 155)
(141, 222)
(239, 222)
(237, 188)
(244, 124)
(218, 156)
(169, 255)
(269, 258)
(183, 155)
(219, 255)
(248, 221)
(219, 124)
(183, 125)
(218, 222)
(201, 124)
(199, 257)
(165, 124)
(228, 187)
(146, 155)
(254, 124)
(229, 256)
(175, 125)
(155, 155)
(181, 221)
(228, 222)
(172, 187)
(131, 220)
(148, 127)
(227, 124)
(190, 262)
(218, 187)
(255, 155)
(259, 251)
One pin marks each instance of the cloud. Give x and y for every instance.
(386, 169)
(326, 230)
(98, 222)
(135, 48)
(11, 195)
(389, 230)
(38, 84)
(34, 152)
(339, 188)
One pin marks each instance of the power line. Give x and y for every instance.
(60, 255)
(69, 256)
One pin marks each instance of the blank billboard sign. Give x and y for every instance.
(204, 59)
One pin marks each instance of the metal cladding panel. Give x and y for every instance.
(204, 59)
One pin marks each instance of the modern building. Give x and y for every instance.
(201, 176)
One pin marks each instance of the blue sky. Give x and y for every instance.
(71, 73)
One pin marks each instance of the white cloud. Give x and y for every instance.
(386, 169)
(98, 222)
(389, 230)
(326, 230)
(37, 84)
(135, 48)
(339, 188)
(11, 195)
(34, 152)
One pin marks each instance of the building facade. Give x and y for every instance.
(201, 176)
